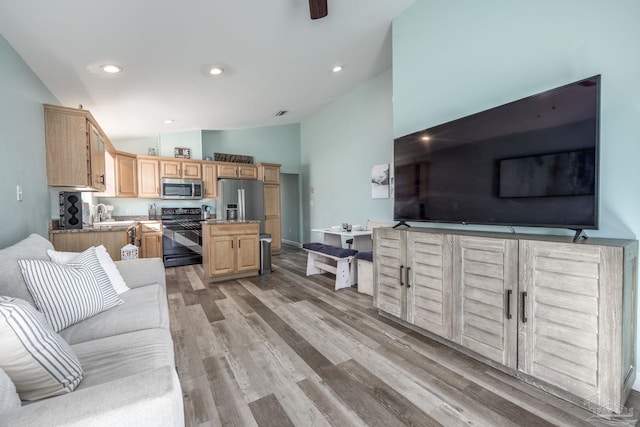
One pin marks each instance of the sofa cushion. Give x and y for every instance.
(12, 283)
(106, 263)
(38, 361)
(144, 307)
(120, 356)
(8, 395)
(68, 294)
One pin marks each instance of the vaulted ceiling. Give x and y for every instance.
(274, 57)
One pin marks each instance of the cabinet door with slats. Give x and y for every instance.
(569, 304)
(389, 248)
(429, 282)
(485, 277)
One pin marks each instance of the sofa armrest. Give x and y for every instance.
(152, 399)
(142, 272)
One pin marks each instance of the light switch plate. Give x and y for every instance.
(19, 192)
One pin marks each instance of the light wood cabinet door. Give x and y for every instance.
(485, 278)
(170, 169)
(180, 169)
(97, 146)
(428, 282)
(148, 178)
(571, 312)
(229, 170)
(67, 148)
(222, 255)
(151, 245)
(126, 176)
(272, 215)
(191, 170)
(247, 253)
(210, 179)
(389, 254)
(269, 173)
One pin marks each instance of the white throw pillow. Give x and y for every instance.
(106, 262)
(68, 294)
(38, 361)
(9, 398)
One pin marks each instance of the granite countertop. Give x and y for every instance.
(226, 221)
(117, 225)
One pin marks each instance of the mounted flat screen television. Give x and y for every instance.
(531, 162)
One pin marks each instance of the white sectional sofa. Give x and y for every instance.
(126, 353)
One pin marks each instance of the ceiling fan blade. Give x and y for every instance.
(318, 8)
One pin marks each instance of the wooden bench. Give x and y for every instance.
(320, 254)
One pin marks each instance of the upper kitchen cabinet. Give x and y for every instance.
(184, 169)
(234, 170)
(126, 175)
(148, 177)
(210, 180)
(75, 148)
(269, 173)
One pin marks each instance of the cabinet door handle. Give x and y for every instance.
(524, 309)
(101, 179)
(509, 292)
(401, 271)
(232, 244)
(239, 242)
(408, 275)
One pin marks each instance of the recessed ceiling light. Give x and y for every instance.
(425, 138)
(216, 71)
(111, 68)
(168, 121)
(337, 68)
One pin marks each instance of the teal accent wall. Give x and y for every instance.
(23, 149)
(268, 144)
(454, 58)
(339, 147)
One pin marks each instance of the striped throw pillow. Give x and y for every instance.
(68, 294)
(38, 361)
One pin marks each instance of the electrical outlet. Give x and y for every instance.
(128, 211)
(19, 192)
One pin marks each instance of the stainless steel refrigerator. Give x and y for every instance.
(244, 197)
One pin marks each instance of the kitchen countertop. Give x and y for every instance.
(53, 228)
(226, 221)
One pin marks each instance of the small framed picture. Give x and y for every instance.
(182, 153)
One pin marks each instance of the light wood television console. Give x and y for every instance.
(557, 314)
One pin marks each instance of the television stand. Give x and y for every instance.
(579, 233)
(400, 223)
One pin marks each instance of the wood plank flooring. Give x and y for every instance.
(284, 349)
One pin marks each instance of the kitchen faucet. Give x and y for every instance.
(101, 209)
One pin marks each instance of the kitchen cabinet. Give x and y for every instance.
(75, 149)
(148, 177)
(151, 239)
(79, 241)
(557, 314)
(126, 175)
(210, 180)
(230, 250)
(182, 169)
(239, 171)
(270, 175)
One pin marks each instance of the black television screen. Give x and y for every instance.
(531, 162)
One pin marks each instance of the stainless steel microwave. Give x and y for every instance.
(190, 189)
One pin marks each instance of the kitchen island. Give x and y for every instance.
(230, 249)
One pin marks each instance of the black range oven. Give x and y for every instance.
(181, 236)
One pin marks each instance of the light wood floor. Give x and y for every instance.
(284, 349)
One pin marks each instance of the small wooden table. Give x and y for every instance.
(362, 240)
